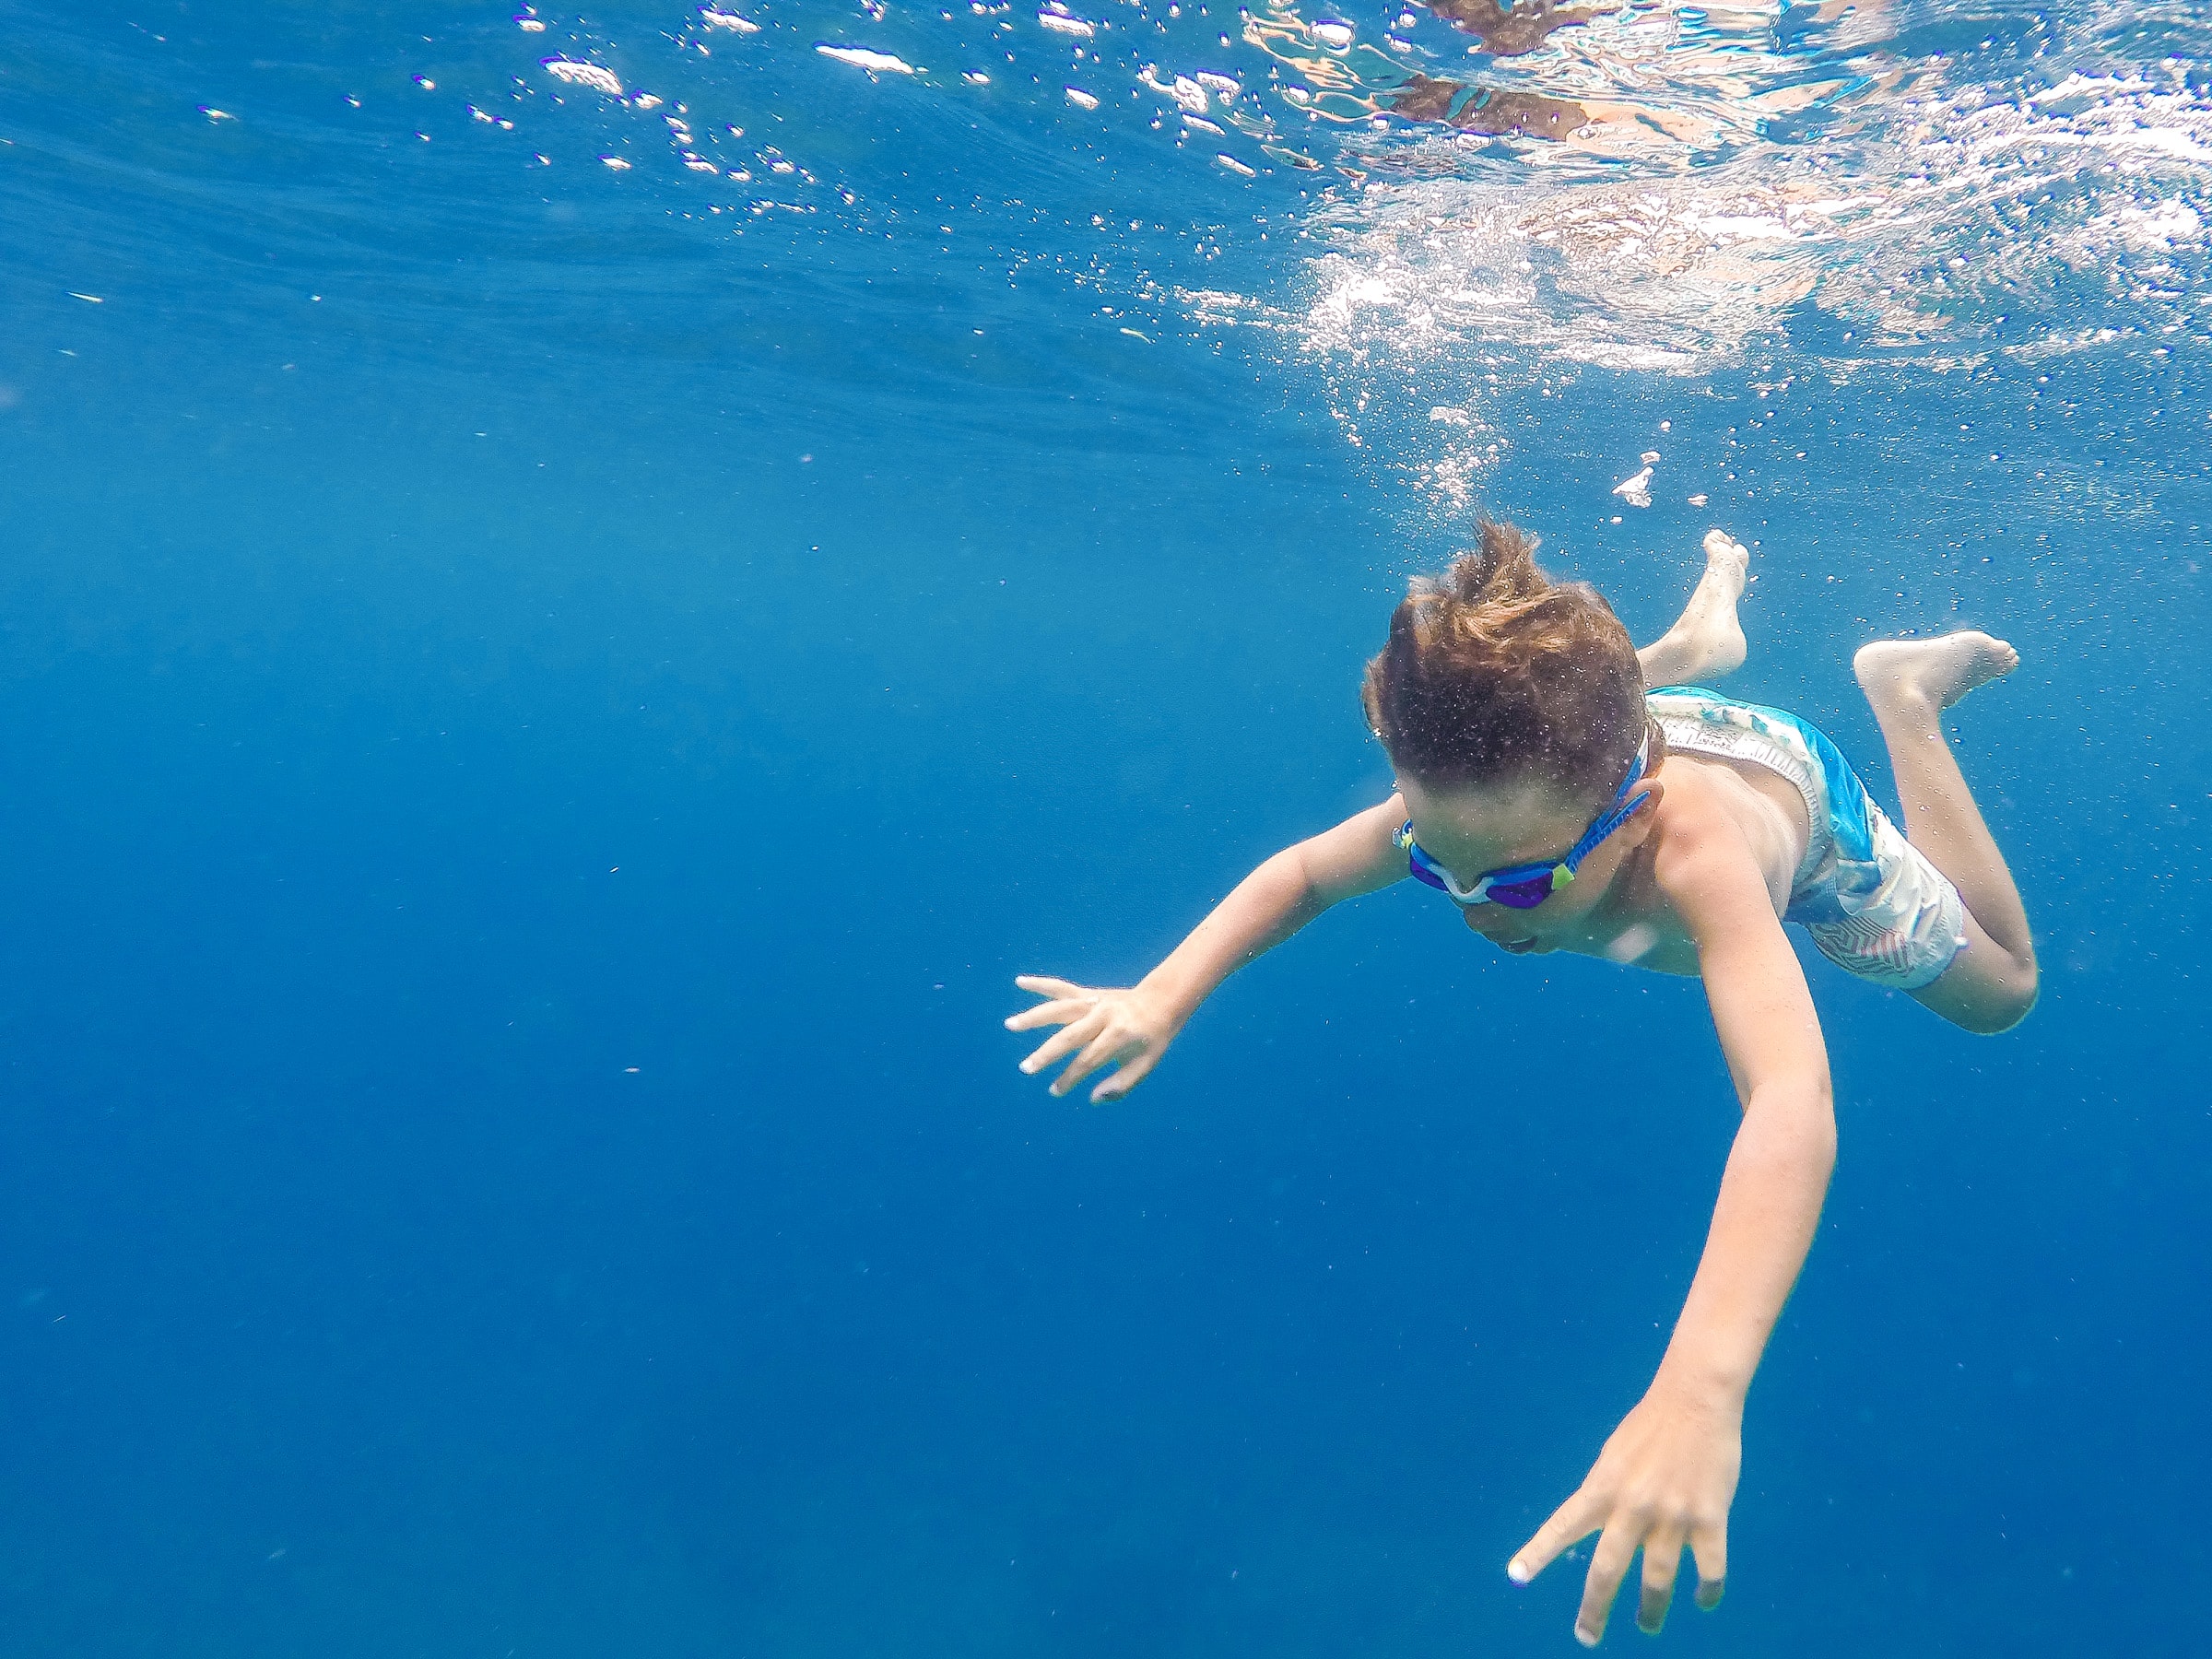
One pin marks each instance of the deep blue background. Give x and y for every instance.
(522, 813)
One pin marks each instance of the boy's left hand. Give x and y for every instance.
(1665, 1478)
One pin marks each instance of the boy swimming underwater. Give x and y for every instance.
(1563, 807)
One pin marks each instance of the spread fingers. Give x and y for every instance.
(1101, 1051)
(1065, 1041)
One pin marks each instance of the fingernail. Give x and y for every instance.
(1584, 1637)
(1517, 1570)
(1027, 1066)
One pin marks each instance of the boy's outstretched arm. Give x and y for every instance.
(1667, 1476)
(1135, 1025)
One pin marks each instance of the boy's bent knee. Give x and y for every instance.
(2026, 995)
(2003, 1016)
(2024, 986)
(1985, 997)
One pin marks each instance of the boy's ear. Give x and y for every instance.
(1647, 812)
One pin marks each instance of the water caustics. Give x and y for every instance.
(1431, 207)
(1642, 185)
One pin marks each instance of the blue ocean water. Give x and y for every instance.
(577, 600)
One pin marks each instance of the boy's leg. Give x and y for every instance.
(1706, 641)
(1992, 984)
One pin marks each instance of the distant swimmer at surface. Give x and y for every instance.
(1614, 79)
(1563, 806)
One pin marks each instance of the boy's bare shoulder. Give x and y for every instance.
(1649, 919)
(1718, 825)
(1698, 799)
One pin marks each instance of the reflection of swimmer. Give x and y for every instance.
(1503, 112)
(1489, 110)
(1510, 30)
(1562, 806)
(1651, 71)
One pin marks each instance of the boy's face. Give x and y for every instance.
(1473, 829)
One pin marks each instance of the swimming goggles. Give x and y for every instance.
(1523, 886)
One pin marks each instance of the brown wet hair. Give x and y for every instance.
(1494, 673)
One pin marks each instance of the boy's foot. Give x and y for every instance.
(1930, 675)
(1708, 641)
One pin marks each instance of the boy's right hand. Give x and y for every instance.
(1131, 1028)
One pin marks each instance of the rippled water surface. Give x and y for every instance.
(581, 590)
